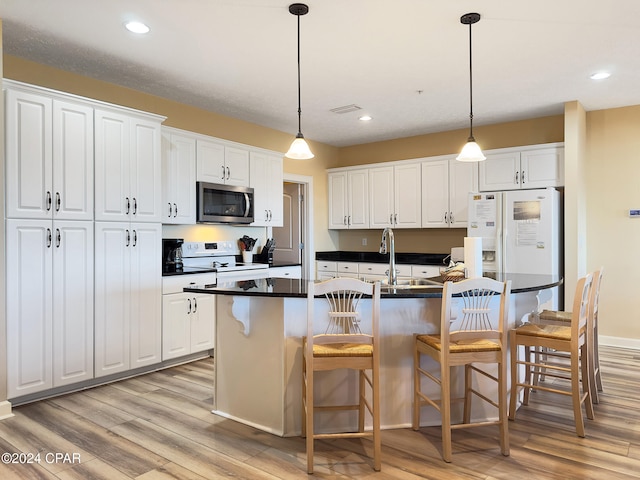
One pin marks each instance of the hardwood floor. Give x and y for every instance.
(159, 426)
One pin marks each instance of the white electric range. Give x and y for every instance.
(220, 257)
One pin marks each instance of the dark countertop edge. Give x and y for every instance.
(298, 292)
(375, 257)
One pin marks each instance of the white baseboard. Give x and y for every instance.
(5, 410)
(619, 342)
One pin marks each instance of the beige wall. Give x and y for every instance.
(613, 239)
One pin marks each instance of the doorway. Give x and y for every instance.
(294, 239)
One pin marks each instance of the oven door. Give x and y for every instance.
(224, 203)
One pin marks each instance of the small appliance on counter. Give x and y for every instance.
(172, 255)
(266, 255)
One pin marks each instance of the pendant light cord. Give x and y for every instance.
(470, 86)
(299, 102)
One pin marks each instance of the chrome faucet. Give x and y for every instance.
(393, 274)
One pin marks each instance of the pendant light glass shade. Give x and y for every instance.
(471, 152)
(299, 149)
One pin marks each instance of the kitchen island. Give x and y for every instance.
(258, 357)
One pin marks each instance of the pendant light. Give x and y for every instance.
(471, 151)
(299, 149)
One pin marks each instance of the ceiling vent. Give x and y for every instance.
(346, 109)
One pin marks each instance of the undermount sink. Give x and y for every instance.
(411, 283)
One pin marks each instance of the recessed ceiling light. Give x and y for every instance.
(365, 118)
(136, 27)
(600, 75)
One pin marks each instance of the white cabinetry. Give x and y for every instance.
(292, 271)
(49, 156)
(127, 166)
(221, 163)
(349, 199)
(178, 177)
(394, 196)
(326, 270)
(266, 179)
(188, 322)
(49, 304)
(446, 184)
(539, 166)
(128, 296)
(372, 272)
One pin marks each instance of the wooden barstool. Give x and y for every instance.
(554, 317)
(553, 338)
(472, 332)
(338, 341)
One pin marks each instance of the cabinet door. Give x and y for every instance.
(259, 181)
(463, 179)
(275, 182)
(500, 171)
(29, 312)
(407, 183)
(112, 178)
(145, 170)
(338, 208)
(176, 325)
(211, 167)
(542, 168)
(237, 166)
(72, 161)
(435, 194)
(28, 155)
(203, 323)
(72, 302)
(146, 294)
(112, 297)
(381, 197)
(179, 179)
(358, 198)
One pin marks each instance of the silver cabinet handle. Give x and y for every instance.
(395, 218)
(48, 238)
(48, 200)
(58, 238)
(517, 177)
(446, 217)
(128, 238)
(135, 238)
(195, 305)
(135, 205)
(344, 220)
(128, 205)
(451, 220)
(58, 202)
(170, 210)
(349, 220)
(175, 210)
(223, 172)
(189, 300)
(391, 219)
(228, 173)
(522, 176)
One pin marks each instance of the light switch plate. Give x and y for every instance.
(634, 213)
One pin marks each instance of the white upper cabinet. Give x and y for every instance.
(349, 199)
(538, 166)
(49, 161)
(266, 179)
(446, 184)
(220, 163)
(394, 196)
(127, 166)
(178, 177)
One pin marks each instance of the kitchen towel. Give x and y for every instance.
(473, 256)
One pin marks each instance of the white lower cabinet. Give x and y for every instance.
(128, 296)
(49, 304)
(188, 324)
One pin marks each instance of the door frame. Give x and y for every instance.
(308, 255)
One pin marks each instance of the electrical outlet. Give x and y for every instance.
(634, 213)
(364, 242)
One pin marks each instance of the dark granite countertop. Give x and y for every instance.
(292, 287)
(375, 257)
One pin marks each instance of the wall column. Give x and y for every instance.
(575, 198)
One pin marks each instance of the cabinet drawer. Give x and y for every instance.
(425, 271)
(175, 283)
(294, 271)
(347, 267)
(322, 266)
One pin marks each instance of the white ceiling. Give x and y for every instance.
(404, 62)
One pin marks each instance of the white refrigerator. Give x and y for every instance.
(520, 230)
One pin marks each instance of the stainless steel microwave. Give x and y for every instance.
(224, 203)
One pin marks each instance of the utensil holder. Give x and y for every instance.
(247, 256)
